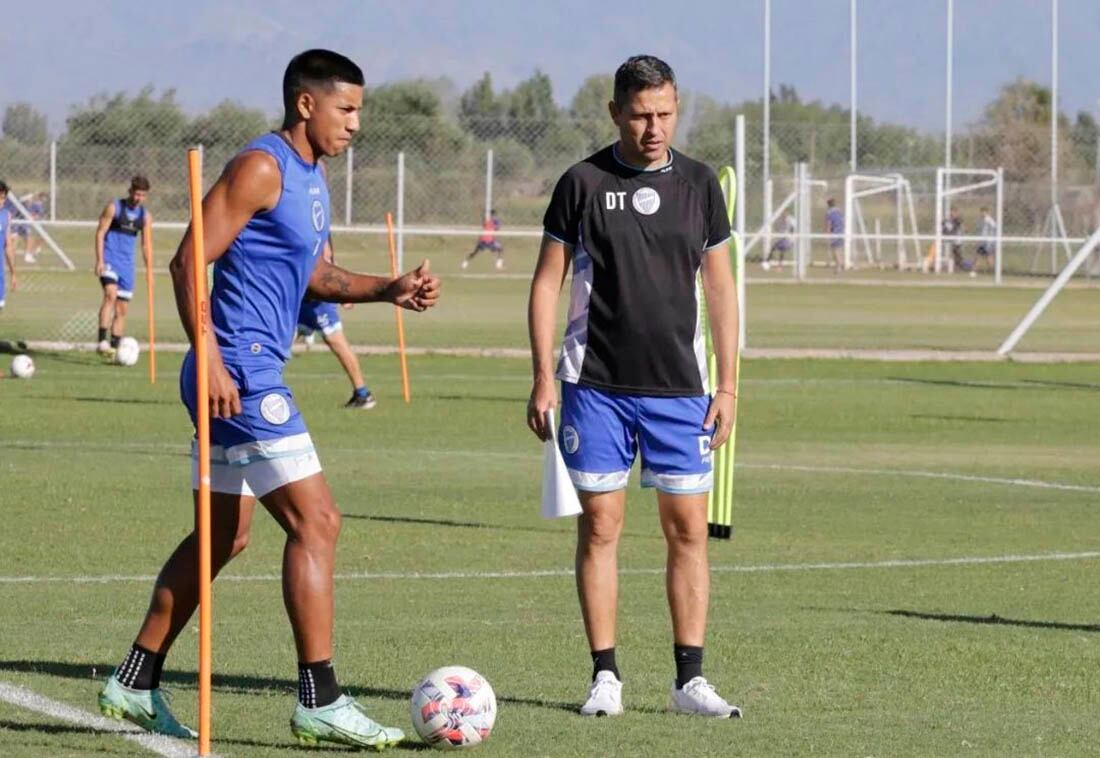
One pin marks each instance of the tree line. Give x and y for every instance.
(528, 129)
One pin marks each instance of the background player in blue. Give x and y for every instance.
(7, 244)
(639, 221)
(115, 237)
(266, 224)
(318, 316)
(834, 225)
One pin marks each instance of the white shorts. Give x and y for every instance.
(254, 469)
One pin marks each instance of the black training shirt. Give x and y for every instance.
(638, 239)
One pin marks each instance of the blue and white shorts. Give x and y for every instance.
(602, 432)
(266, 446)
(116, 272)
(315, 315)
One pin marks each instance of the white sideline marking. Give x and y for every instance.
(861, 354)
(544, 573)
(21, 697)
(1038, 483)
(97, 448)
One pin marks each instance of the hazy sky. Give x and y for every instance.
(60, 52)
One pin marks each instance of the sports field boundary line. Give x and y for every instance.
(764, 568)
(752, 353)
(29, 700)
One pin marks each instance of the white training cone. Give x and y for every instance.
(559, 497)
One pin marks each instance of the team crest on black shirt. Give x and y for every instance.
(646, 201)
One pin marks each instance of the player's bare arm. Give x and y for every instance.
(542, 307)
(416, 290)
(105, 219)
(720, 290)
(250, 183)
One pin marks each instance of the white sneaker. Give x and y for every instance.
(698, 697)
(103, 348)
(605, 696)
(465, 263)
(500, 264)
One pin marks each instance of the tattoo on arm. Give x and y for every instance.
(336, 281)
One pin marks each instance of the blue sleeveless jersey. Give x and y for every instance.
(260, 282)
(5, 222)
(121, 237)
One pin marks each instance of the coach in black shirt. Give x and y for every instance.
(638, 221)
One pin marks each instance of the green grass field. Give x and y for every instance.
(484, 309)
(893, 588)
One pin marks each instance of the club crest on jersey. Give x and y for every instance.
(275, 409)
(570, 440)
(318, 212)
(646, 201)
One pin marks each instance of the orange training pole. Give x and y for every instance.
(400, 316)
(198, 282)
(152, 320)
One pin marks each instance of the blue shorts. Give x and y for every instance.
(602, 432)
(122, 274)
(264, 447)
(316, 315)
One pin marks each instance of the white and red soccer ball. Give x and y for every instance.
(453, 707)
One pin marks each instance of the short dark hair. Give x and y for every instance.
(140, 182)
(3, 187)
(317, 68)
(830, 202)
(641, 72)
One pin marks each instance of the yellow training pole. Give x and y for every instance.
(202, 409)
(152, 320)
(400, 316)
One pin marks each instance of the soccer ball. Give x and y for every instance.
(127, 352)
(22, 367)
(453, 707)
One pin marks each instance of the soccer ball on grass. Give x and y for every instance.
(453, 707)
(127, 352)
(22, 367)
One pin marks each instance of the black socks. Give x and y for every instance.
(141, 669)
(114, 340)
(317, 685)
(102, 334)
(689, 663)
(604, 660)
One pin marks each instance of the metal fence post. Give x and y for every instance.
(400, 212)
(488, 182)
(53, 180)
(347, 185)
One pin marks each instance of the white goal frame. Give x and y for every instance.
(858, 186)
(978, 178)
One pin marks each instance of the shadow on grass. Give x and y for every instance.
(91, 731)
(419, 521)
(979, 419)
(515, 399)
(992, 620)
(1062, 385)
(963, 383)
(243, 684)
(109, 400)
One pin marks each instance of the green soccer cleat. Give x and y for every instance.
(344, 722)
(146, 708)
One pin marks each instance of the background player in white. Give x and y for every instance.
(638, 221)
(266, 222)
(987, 248)
(115, 236)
